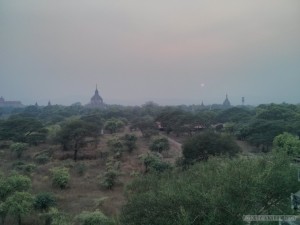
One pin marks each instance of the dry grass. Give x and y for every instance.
(84, 190)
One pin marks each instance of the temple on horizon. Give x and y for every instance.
(13, 104)
(96, 101)
(226, 102)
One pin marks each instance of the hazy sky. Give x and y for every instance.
(168, 51)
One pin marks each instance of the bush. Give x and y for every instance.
(206, 192)
(18, 148)
(109, 179)
(153, 162)
(54, 217)
(43, 201)
(80, 169)
(159, 144)
(60, 177)
(201, 146)
(19, 182)
(27, 168)
(130, 142)
(94, 218)
(42, 159)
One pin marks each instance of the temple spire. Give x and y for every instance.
(96, 91)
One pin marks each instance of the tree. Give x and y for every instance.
(93, 218)
(146, 125)
(60, 177)
(109, 179)
(200, 147)
(95, 122)
(130, 141)
(224, 190)
(261, 132)
(288, 143)
(54, 217)
(159, 144)
(18, 182)
(44, 201)
(73, 135)
(152, 162)
(116, 146)
(113, 125)
(19, 204)
(27, 130)
(18, 148)
(8, 186)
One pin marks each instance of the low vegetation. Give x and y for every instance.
(183, 165)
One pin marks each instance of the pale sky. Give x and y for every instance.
(168, 51)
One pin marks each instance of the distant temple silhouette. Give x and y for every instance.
(226, 102)
(13, 104)
(96, 101)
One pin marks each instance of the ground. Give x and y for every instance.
(84, 192)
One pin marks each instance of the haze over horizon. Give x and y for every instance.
(170, 52)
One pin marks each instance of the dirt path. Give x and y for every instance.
(175, 150)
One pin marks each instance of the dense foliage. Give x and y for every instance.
(201, 147)
(219, 191)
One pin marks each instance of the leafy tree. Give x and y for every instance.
(73, 135)
(60, 177)
(200, 147)
(96, 123)
(17, 182)
(224, 190)
(235, 114)
(146, 125)
(55, 217)
(19, 204)
(130, 141)
(113, 125)
(27, 130)
(159, 144)
(173, 119)
(152, 162)
(287, 143)
(109, 179)
(262, 132)
(44, 201)
(94, 218)
(3, 212)
(116, 146)
(18, 148)
(275, 112)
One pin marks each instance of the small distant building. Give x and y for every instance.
(226, 102)
(12, 104)
(96, 101)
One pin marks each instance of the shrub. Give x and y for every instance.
(109, 179)
(200, 147)
(152, 162)
(116, 146)
(18, 148)
(159, 144)
(80, 169)
(27, 168)
(19, 182)
(54, 217)
(130, 142)
(43, 201)
(60, 177)
(94, 218)
(42, 159)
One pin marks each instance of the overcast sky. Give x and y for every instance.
(168, 51)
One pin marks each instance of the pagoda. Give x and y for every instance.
(96, 101)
